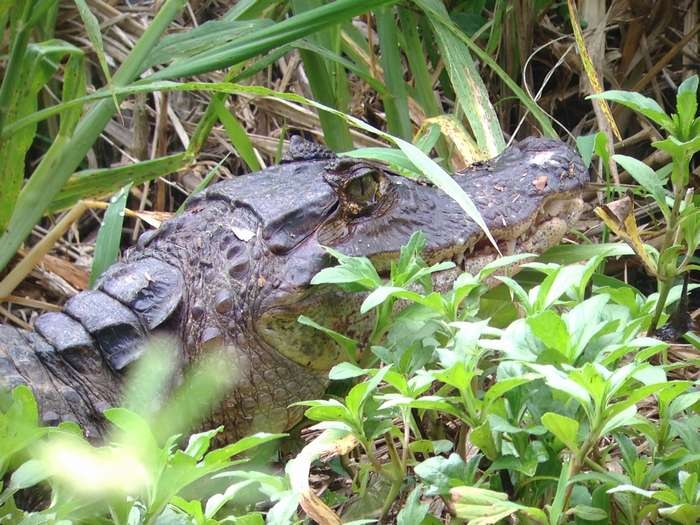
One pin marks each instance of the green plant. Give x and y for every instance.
(534, 404)
(146, 473)
(675, 257)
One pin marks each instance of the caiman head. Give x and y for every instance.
(249, 247)
(232, 275)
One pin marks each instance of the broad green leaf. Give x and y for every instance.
(549, 328)
(28, 474)
(382, 293)
(564, 428)
(413, 510)
(559, 381)
(482, 438)
(588, 513)
(501, 387)
(638, 102)
(440, 474)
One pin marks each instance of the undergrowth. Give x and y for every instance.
(563, 415)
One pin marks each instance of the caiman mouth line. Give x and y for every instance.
(554, 215)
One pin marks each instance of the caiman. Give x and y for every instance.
(233, 272)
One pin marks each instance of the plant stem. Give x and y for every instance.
(665, 281)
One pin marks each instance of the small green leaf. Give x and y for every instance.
(222, 455)
(564, 428)
(349, 345)
(585, 145)
(346, 371)
(687, 106)
(382, 293)
(646, 177)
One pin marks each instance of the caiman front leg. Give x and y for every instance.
(75, 360)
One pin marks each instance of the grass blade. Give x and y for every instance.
(398, 119)
(470, 90)
(110, 234)
(237, 135)
(66, 153)
(101, 182)
(283, 32)
(439, 18)
(328, 80)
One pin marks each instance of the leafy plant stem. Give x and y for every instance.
(665, 281)
(396, 475)
(576, 465)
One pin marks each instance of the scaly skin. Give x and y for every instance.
(232, 273)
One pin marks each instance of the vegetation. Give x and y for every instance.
(546, 400)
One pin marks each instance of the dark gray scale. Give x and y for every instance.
(68, 351)
(114, 327)
(151, 288)
(20, 365)
(10, 374)
(68, 337)
(305, 150)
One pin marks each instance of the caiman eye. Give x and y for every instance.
(363, 191)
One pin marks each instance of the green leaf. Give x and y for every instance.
(646, 177)
(382, 293)
(482, 438)
(549, 328)
(358, 395)
(198, 444)
(349, 345)
(585, 145)
(559, 381)
(588, 513)
(28, 474)
(413, 511)
(215, 502)
(346, 371)
(237, 136)
(564, 428)
(92, 28)
(107, 246)
(687, 105)
(440, 474)
(351, 270)
(223, 454)
(638, 102)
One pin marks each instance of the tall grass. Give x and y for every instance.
(398, 62)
